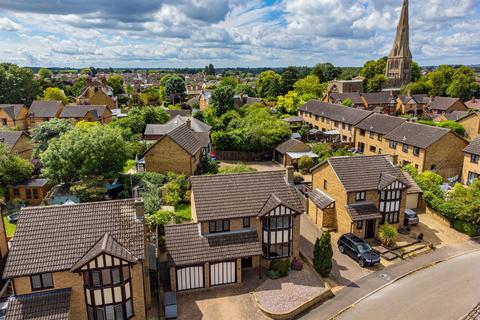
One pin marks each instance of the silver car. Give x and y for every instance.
(411, 217)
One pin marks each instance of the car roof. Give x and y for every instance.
(352, 237)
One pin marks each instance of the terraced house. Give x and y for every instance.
(356, 194)
(82, 261)
(41, 111)
(334, 118)
(240, 221)
(471, 162)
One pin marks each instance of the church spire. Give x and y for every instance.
(401, 46)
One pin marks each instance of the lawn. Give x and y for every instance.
(184, 211)
(9, 227)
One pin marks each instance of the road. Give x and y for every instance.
(447, 290)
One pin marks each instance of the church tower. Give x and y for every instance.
(399, 63)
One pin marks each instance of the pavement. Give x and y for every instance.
(357, 290)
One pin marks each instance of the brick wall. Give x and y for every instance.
(346, 131)
(23, 148)
(469, 167)
(447, 155)
(471, 125)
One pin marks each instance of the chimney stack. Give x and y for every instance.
(289, 174)
(189, 123)
(139, 209)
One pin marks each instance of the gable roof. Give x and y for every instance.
(13, 110)
(44, 109)
(441, 103)
(10, 138)
(380, 123)
(320, 198)
(292, 145)
(413, 99)
(162, 129)
(414, 188)
(187, 246)
(373, 98)
(335, 112)
(67, 232)
(185, 138)
(354, 96)
(240, 195)
(458, 115)
(473, 147)
(416, 134)
(80, 111)
(45, 305)
(362, 173)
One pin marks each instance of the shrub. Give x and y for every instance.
(304, 164)
(297, 178)
(466, 227)
(322, 255)
(281, 266)
(387, 234)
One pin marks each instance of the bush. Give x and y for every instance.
(281, 266)
(297, 178)
(387, 234)
(304, 164)
(322, 254)
(466, 227)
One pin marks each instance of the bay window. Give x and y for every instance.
(390, 205)
(277, 236)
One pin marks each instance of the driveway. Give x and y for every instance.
(259, 165)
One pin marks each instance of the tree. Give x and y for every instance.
(245, 90)
(304, 164)
(44, 73)
(46, 131)
(116, 82)
(288, 78)
(416, 71)
(173, 84)
(229, 81)
(310, 86)
(347, 103)
(387, 234)
(325, 71)
(86, 71)
(209, 70)
(17, 84)
(82, 153)
(376, 83)
(322, 254)
(90, 189)
(222, 99)
(268, 84)
(463, 84)
(77, 87)
(373, 67)
(13, 169)
(55, 94)
(289, 103)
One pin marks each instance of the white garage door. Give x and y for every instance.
(412, 201)
(190, 278)
(223, 273)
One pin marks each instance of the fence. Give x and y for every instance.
(244, 155)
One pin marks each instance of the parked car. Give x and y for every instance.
(358, 250)
(12, 217)
(411, 217)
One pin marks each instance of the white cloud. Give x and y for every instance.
(8, 25)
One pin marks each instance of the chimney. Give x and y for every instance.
(139, 209)
(189, 123)
(289, 174)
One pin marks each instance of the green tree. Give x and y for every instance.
(463, 84)
(90, 189)
(347, 102)
(245, 90)
(325, 71)
(376, 83)
(86, 71)
(268, 84)
(115, 81)
(78, 86)
(17, 84)
(304, 164)
(288, 78)
(46, 131)
(416, 72)
(222, 99)
(310, 86)
(44, 73)
(82, 153)
(13, 169)
(209, 70)
(229, 81)
(323, 254)
(55, 94)
(174, 84)
(289, 103)
(373, 67)
(387, 234)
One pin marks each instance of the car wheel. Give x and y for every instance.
(341, 249)
(361, 263)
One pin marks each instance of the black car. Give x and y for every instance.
(358, 250)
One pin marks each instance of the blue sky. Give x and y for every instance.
(230, 33)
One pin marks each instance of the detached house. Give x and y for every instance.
(13, 116)
(41, 111)
(98, 94)
(240, 221)
(471, 162)
(18, 143)
(356, 194)
(91, 113)
(82, 261)
(439, 105)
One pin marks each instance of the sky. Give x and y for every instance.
(232, 33)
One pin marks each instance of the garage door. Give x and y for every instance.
(412, 201)
(223, 273)
(190, 278)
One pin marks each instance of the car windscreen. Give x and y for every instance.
(363, 247)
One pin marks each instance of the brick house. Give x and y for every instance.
(199, 128)
(439, 105)
(326, 117)
(31, 191)
(411, 104)
(471, 163)
(204, 99)
(98, 94)
(288, 152)
(240, 221)
(383, 102)
(41, 111)
(178, 150)
(356, 194)
(91, 113)
(82, 261)
(470, 120)
(13, 116)
(338, 98)
(345, 86)
(18, 143)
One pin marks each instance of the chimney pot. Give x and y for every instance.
(289, 174)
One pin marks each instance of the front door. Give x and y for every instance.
(370, 229)
(247, 263)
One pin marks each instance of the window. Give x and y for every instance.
(35, 193)
(360, 196)
(380, 136)
(390, 205)
(416, 151)
(246, 222)
(323, 119)
(335, 124)
(344, 138)
(474, 158)
(4, 122)
(362, 132)
(16, 192)
(433, 167)
(416, 166)
(343, 126)
(392, 145)
(325, 184)
(372, 134)
(316, 118)
(219, 226)
(405, 148)
(277, 236)
(28, 192)
(41, 281)
(373, 149)
(471, 177)
(359, 225)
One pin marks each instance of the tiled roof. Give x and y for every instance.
(414, 188)
(240, 195)
(186, 245)
(10, 138)
(354, 96)
(456, 115)
(292, 145)
(414, 98)
(54, 238)
(473, 103)
(33, 183)
(380, 123)
(185, 138)
(362, 173)
(441, 103)
(162, 129)
(473, 147)
(320, 198)
(44, 109)
(46, 305)
(13, 110)
(374, 98)
(79, 111)
(335, 112)
(363, 211)
(416, 134)
(181, 112)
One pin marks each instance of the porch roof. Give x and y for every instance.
(363, 211)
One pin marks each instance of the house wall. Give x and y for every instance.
(447, 155)
(469, 167)
(346, 131)
(378, 144)
(3, 241)
(324, 218)
(166, 156)
(408, 157)
(98, 98)
(471, 125)
(21, 122)
(23, 148)
(203, 103)
(42, 192)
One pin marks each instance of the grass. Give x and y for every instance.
(184, 211)
(128, 165)
(9, 227)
